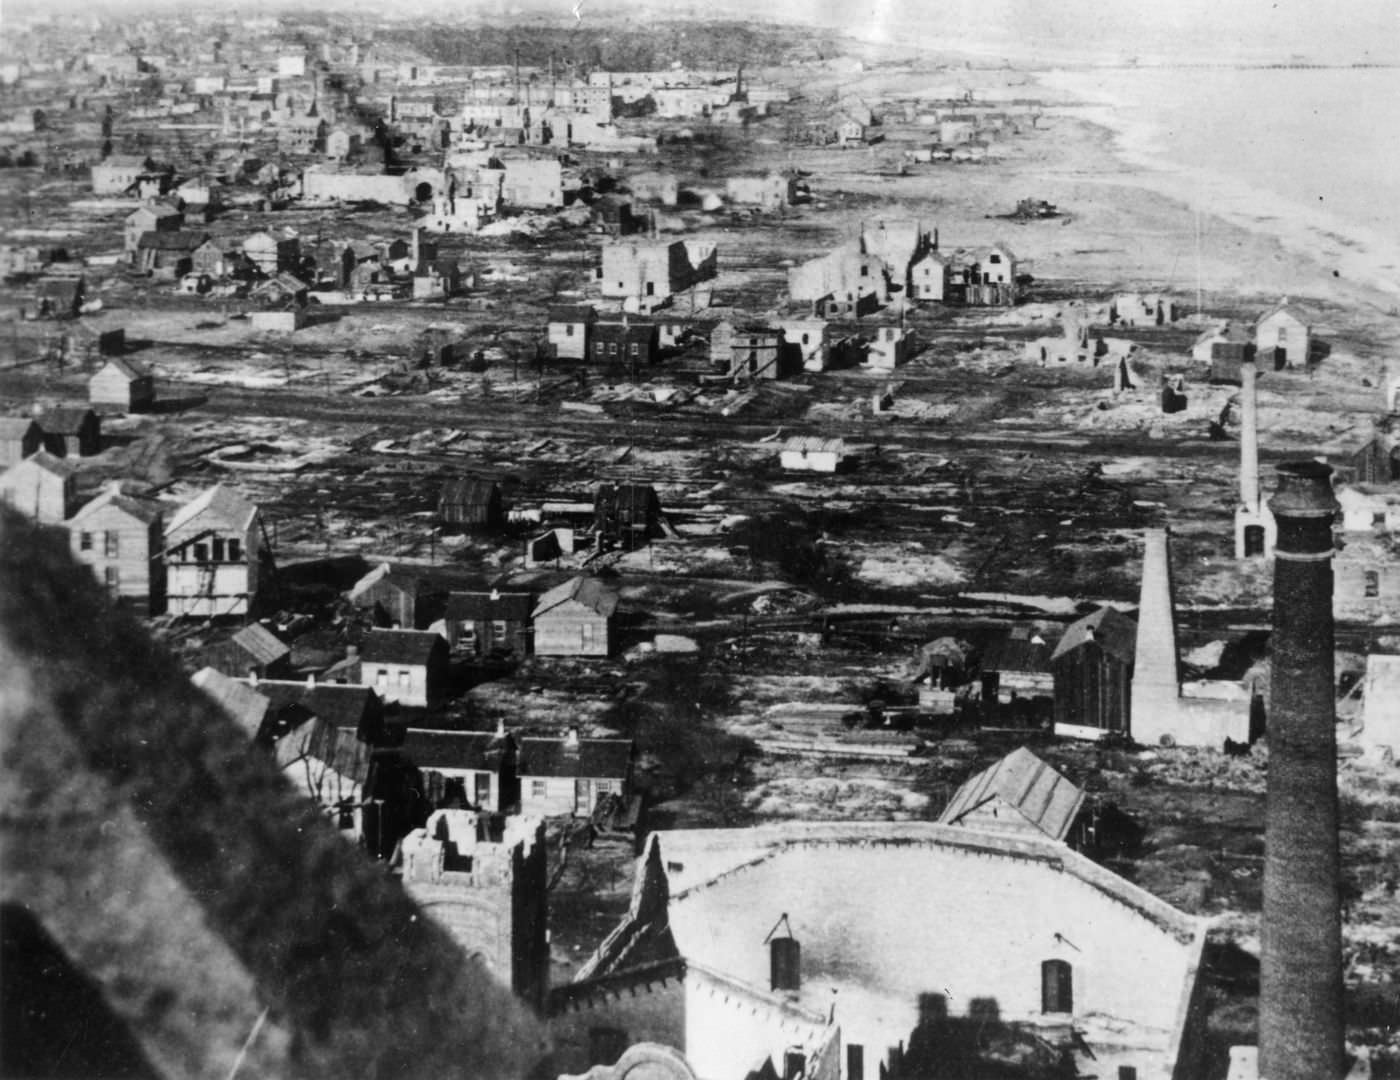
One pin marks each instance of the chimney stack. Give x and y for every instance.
(1301, 1024)
(1156, 680)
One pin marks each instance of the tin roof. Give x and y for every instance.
(482, 750)
(1042, 796)
(1111, 630)
(590, 592)
(399, 646)
(261, 643)
(225, 504)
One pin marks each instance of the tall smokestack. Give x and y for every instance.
(1249, 438)
(1156, 682)
(1255, 529)
(1301, 1026)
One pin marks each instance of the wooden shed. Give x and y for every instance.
(41, 487)
(471, 502)
(629, 514)
(489, 622)
(20, 436)
(71, 431)
(1017, 685)
(122, 384)
(396, 599)
(1019, 795)
(575, 619)
(254, 650)
(1093, 671)
(1378, 462)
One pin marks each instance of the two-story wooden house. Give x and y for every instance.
(119, 536)
(489, 623)
(405, 667)
(41, 487)
(214, 555)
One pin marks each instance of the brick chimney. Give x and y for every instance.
(1156, 679)
(1301, 1025)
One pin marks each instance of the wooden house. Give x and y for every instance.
(211, 260)
(1093, 671)
(471, 770)
(1020, 795)
(437, 279)
(167, 255)
(71, 431)
(20, 436)
(472, 502)
(1017, 684)
(568, 331)
(214, 555)
(272, 254)
(253, 651)
(151, 217)
(627, 514)
(575, 619)
(756, 352)
(1378, 462)
(568, 776)
(59, 297)
(928, 276)
(123, 385)
(406, 667)
(395, 600)
(281, 291)
(42, 487)
(809, 453)
(1284, 336)
(119, 536)
(631, 342)
(889, 347)
(489, 623)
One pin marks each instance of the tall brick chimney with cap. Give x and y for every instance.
(1301, 1024)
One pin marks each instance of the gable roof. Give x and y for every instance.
(399, 646)
(143, 510)
(386, 575)
(489, 606)
(66, 419)
(128, 369)
(170, 241)
(46, 462)
(481, 750)
(337, 704)
(225, 504)
(261, 643)
(601, 758)
(469, 490)
(1014, 651)
(1287, 310)
(123, 779)
(156, 210)
(240, 702)
(590, 592)
(578, 313)
(18, 427)
(1110, 629)
(1043, 796)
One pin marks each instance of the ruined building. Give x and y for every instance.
(1301, 1026)
(483, 878)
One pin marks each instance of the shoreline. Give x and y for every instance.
(1355, 262)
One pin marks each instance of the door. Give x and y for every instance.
(483, 791)
(1056, 987)
(581, 804)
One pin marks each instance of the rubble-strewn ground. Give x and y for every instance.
(996, 489)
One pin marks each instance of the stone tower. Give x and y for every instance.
(1301, 1026)
(484, 880)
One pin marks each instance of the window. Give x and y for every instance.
(864, 270)
(569, 330)
(585, 635)
(994, 259)
(1372, 583)
(634, 350)
(651, 288)
(233, 550)
(381, 680)
(612, 348)
(218, 544)
(111, 576)
(1282, 334)
(1056, 987)
(498, 630)
(201, 553)
(404, 678)
(538, 789)
(111, 544)
(85, 541)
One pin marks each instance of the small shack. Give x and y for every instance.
(408, 667)
(1093, 672)
(1019, 795)
(254, 650)
(471, 502)
(1018, 687)
(810, 453)
(575, 619)
(123, 385)
(627, 514)
(489, 623)
(71, 431)
(394, 599)
(20, 436)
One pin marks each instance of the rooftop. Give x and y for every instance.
(588, 591)
(1043, 796)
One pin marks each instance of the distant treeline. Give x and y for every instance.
(648, 47)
